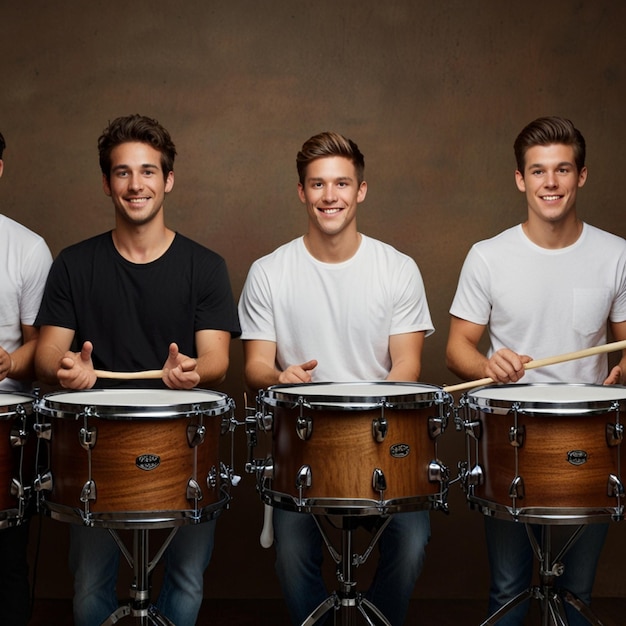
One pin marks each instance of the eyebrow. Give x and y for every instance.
(321, 179)
(144, 166)
(561, 164)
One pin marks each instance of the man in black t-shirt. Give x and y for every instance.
(140, 297)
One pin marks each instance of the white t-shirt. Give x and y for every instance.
(341, 314)
(544, 302)
(25, 260)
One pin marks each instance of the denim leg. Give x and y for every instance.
(299, 557)
(401, 549)
(14, 585)
(94, 559)
(185, 560)
(581, 562)
(511, 566)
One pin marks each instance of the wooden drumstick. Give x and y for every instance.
(551, 360)
(267, 534)
(145, 375)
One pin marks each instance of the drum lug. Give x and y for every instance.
(88, 491)
(379, 482)
(17, 489)
(304, 427)
(18, 437)
(379, 429)
(88, 436)
(43, 431)
(516, 490)
(614, 434)
(615, 488)
(43, 482)
(268, 468)
(475, 477)
(195, 434)
(437, 472)
(473, 429)
(517, 435)
(193, 488)
(435, 427)
(304, 477)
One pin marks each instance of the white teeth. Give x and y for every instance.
(330, 210)
(551, 197)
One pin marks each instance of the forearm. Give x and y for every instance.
(466, 361)
(23, 361)
(48, 363)
(259, 375)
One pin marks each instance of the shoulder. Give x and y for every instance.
(595, 235)
(185, 245)
(14, 229)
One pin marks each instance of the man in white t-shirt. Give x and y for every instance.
(25, 260)
(336, 306)
(546, 287)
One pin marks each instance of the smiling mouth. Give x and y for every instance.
(551, 198)
(329, 211)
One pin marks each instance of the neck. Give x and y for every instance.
(553, 235)
(142, 244)
(332, 248)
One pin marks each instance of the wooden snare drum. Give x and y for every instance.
(353, 448)
(130, 457)
(16, 456)
(549, 453)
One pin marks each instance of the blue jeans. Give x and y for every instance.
(94, 559)
(511, 561)
(299, 553)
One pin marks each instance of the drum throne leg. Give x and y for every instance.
(139, 606)
(346, 601)
(546, 592)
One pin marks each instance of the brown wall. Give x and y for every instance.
(433, 92)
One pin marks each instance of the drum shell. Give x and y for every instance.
(547, 453)
(342, 454)
(138, 458)
(361, 448)
(121, 485)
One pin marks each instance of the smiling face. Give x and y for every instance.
(550, 181)
(137, 184)
(331, 192)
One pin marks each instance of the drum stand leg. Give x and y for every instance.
(347, 601)
(551, 597)
(139, 606)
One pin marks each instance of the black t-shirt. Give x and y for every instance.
(132, 312)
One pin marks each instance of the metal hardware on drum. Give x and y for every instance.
(128, 458)
(546, 453)
(17, 456)
(349, 448)
(546, 592)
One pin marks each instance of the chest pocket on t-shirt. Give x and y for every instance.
(591, 310)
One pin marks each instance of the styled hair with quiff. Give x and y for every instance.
(329, 144)
(545, 131)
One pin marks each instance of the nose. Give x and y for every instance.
(551, 180)
(135, 182)
(329, 195)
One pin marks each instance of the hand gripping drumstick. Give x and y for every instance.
(130, 375)
(267, 534)
(551, 360)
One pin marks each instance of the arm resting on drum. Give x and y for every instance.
(405, 351)
(465, 360)
(20, 364)
(52, 345)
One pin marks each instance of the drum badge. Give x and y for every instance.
(399, 450)
(148, 462)
(577, 457)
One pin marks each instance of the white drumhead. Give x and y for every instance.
(10, 398)
(135, 397)
(354, 390)
(551, 393)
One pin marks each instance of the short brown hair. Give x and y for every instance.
(136, 128)
(548, 130)
(329, 144)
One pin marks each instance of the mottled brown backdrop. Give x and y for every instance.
(433, 92)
